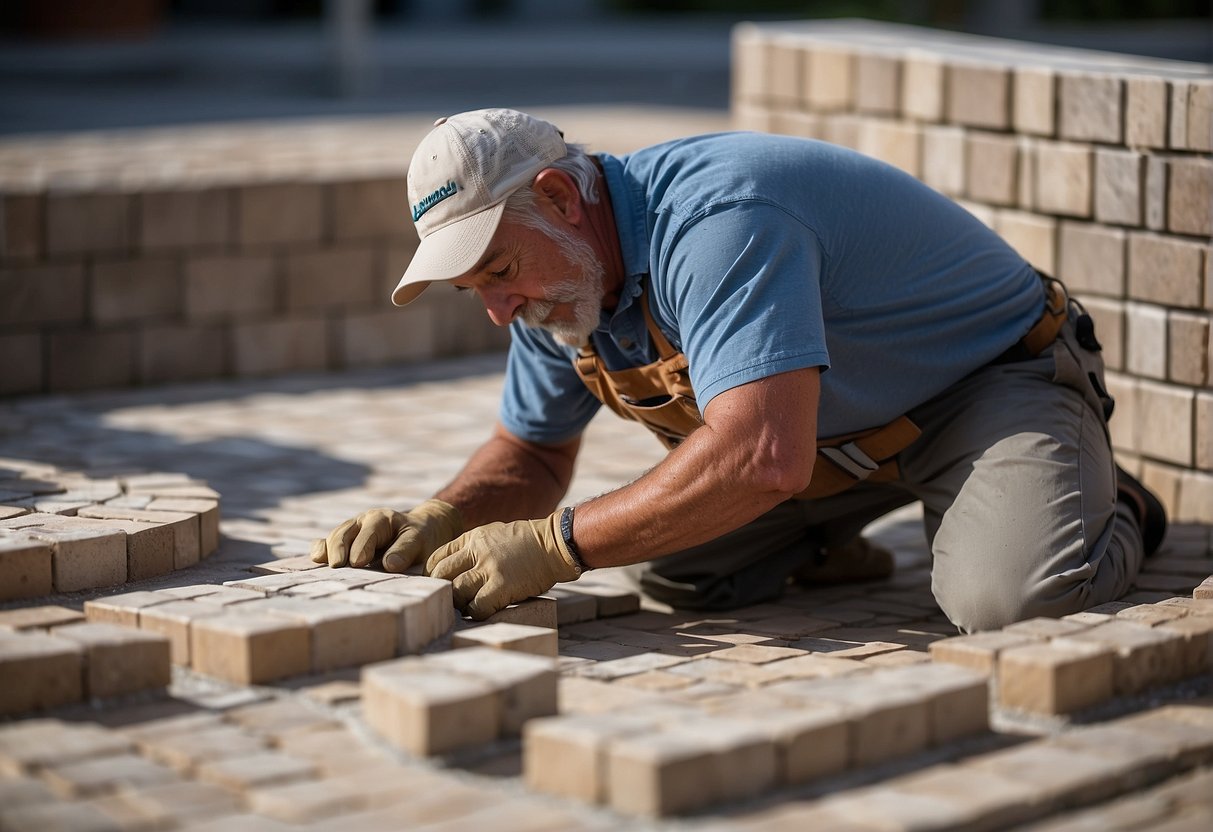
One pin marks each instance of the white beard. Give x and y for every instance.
(585, 292)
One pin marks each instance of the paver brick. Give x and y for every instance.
(279, 345)
(1168, 411)
(208, 518)
(123, 291)
(428, 712)
(828, 73)
(1056, 677)
(1146, 341)
(87, 778)
(810, 742)
(610, 600)
(979, 95)
(537, 612)
(1177, 127)
(1145, 656)
(40, 671)
(1190, 196)
(783, 73)
(877, 83)
(279, 213)
(261, 768)
(1154, 194)
(21, 226)
(341, 635)
(525, 685)
(173, 619)
(992, 168)
(1092, 258)
(119, 660)
(312, 283)
(1034, 96)
(943, 159)
(1119, 177)
(688, 766)
(87, 223)
(40, 294)
(38, 618)
(84, 554)
(77, 817)
(249, 649)
(185, 218)
(1166, 270)
(1033, 236)
(1089, 107)
(1109, 318)
(1145, 112)
(184, 750)
(25, 567)
(1188, 348)
(922, 86)
(979, 651)
(567, 755)
(171, 804)
(522, 638)
(227, 287)
(1200, 116)
(33, 744)
(1063, 178)
(369, 208)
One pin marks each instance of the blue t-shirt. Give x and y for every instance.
(765, 254)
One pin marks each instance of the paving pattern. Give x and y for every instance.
(844, 707)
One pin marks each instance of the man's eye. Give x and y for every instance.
(462, 289)
(502, 274)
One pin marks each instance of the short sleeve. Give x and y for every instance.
(743, 283)
(544, 400)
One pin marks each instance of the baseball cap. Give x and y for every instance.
(458, 182)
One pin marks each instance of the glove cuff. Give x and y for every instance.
(571, 561)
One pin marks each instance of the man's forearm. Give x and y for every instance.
(507, 479)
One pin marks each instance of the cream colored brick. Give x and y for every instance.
(40, 671)
(1166, 270)
(388, 337)
(1109, 317)
(892, 142)
(122, 609)
(330, 279)
(186, 218)
(1146, 340)
(1033, 236)
(748, 60)
(249, 649)
(119, 660)
(42, 294)
(87, 223)
(1119, 176)
(187, 544)
(566, 755)
(208, 518)
(1200, 116)
(1195, 499)
(979, 95)
(1154, 195)
(1190, 196)
(538, 612)
(922, 76)
(688, 766)
(784, 72)
(279, 213)
(1145, 657)
(828, 73)
(427, 712)
(943, 159)
(1027, 174)
(525, 685)
(173, 619)
(84, 553)
(540, 641)
(21, 226)
(38, 618)
(802, 125)
(1063, 179)
(979, 651)
(982, 212)
(279, 346)
(88, 778)
(1194, 631)
(1163, 480)
(1035, 94)
(992, 168)
(1188, 348)
(1054, 678)
(877, 83)
(229, 287)
(243, 773)
(370, 208)
(433, 617)
(1204, 431)
(1089, 107)
(1177, 127)
(1165, 419)
(1146, 112)
(842, 130)
(25, 567)
(753, 117)
(342, 635)
(1092, 259)
(957, 698)
(175, 354)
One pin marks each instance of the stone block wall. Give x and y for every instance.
(177, 255)
(1095, 166)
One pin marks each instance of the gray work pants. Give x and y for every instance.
(1018, 485)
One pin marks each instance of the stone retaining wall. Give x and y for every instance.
(1095, 166)
(166, 255)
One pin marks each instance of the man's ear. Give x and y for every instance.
(561, 191)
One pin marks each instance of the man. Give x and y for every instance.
(817, 337)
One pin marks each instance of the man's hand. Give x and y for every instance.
(493, 566)
(402, 538)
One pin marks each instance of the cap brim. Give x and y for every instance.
(448, 252)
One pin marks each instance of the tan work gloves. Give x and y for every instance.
(402, 538)
(493, 566)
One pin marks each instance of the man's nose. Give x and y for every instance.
(501, 306)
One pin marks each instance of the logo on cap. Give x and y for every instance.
(433, 199)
